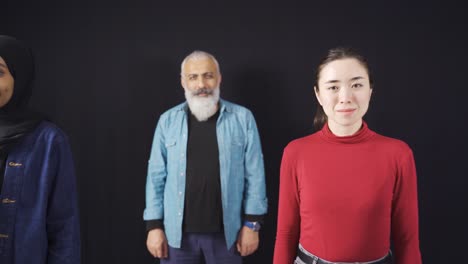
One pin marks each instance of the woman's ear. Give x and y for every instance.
(316, 90)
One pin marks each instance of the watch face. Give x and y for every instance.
(256, 226)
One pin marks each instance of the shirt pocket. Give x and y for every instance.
(171, 143)
(171, 149)
(237, 152)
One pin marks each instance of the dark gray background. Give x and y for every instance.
(106, 71)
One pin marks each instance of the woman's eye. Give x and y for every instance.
(357, 85)
(333, 88)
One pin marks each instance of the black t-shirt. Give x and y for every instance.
(203, 207)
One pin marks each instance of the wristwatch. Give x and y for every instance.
(255, 226)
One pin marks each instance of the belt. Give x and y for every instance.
(312, 259)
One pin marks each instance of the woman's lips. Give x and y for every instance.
(346, 111)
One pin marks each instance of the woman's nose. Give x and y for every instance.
(345, 95)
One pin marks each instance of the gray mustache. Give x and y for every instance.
(203, 91)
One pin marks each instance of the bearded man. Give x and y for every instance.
(205, 189)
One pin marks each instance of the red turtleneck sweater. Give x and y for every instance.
(343, 198)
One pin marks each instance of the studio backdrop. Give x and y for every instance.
(106, 70)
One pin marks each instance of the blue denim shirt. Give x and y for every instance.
(38, 204)
(241, 170)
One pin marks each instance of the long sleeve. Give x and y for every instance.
(2, 169)
(156, 177)
(255, 201)
(62, 222)
(405, 234)
(287, 235)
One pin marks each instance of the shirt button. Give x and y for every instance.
(181, 174)
(182, 155)
(180, 213)
(8, 201)
(180, 193)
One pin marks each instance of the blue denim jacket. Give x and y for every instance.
(38, 204)
(241, 170)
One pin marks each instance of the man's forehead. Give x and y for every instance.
(199, 66)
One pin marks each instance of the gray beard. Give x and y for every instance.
(203, 107)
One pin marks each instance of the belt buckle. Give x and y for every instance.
(315, 260)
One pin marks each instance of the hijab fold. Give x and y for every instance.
(16, 119)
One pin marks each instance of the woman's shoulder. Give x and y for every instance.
(45, 136)
(390, 143)
(48, 131)
(299, 144)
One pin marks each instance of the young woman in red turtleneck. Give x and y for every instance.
(346, 191)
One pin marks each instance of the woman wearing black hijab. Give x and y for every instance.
(38, 204)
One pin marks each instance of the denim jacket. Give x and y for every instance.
(241, 170)
(38, 203)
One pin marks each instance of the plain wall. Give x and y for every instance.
(106, 70)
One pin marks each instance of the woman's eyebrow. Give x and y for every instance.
(332, 81)
(356, 78)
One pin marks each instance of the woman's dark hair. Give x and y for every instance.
(339, 53)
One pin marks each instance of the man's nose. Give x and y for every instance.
(200, 83)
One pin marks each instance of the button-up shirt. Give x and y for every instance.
(241, 170)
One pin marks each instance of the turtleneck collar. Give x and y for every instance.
(362, 135)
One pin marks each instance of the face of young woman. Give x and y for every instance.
(6, 83)
(344, 93)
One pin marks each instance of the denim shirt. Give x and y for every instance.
(38, 203)
(241, 170)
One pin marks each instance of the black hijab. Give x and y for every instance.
(16, 120)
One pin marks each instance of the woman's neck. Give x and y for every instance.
(342, 130)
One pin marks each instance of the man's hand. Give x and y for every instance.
(247, 241)
(157, 243)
